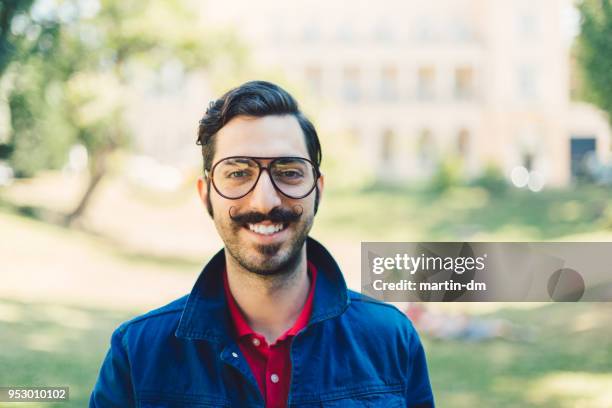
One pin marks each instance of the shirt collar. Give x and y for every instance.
(243, 328)
(206, 316)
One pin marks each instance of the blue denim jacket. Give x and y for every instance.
(354, 352)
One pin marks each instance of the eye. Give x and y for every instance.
(238, 174)
(290, 174)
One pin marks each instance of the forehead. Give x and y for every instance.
(267, 136)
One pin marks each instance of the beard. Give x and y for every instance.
(276, 259)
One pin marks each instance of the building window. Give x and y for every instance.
(277, 33)
(582, 150)
(345, 33)
(464, 83)
(426, 147)
(314, 80)
(527, 82)
(463, 143)
(424, 29)
(460, 30)
(351, 90)
(388, 146)
(388, 84)
(527, 25)
(426, 83)
(383, 32)
(310, 32)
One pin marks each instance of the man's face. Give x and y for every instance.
(261, 252)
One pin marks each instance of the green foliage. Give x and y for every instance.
(448, 174)
(41, 130)
(9, 36)
(594, 50)
(491, 179)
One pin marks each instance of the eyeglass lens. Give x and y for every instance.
(234, 177)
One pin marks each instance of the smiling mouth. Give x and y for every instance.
(266, 229)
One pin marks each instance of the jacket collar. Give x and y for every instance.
(206, 317)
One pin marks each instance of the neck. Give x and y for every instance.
(270, 304)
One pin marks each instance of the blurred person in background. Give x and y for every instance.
(270, 321)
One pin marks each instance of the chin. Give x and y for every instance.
(269, 250)
(269, 260)
(267, 268)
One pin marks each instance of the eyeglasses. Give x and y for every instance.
(235, 177)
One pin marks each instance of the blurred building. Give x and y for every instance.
(414, 82)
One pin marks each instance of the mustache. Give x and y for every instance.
(276, 215)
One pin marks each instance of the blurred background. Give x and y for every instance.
(481, 120)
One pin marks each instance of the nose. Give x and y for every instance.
(264, 196)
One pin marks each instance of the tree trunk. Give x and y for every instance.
(97, 171)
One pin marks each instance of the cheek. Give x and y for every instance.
(307, 206)
(218, 203)
(219, 207)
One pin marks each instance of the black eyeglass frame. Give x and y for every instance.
(261, 169)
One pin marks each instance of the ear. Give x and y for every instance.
(320, 185)
(202, 190)
(203, 185)
(319, 192)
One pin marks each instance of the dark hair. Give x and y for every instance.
(255, 99)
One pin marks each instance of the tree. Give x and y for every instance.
(594, 51)
(70, 86)
(9, 9)
(19, 39)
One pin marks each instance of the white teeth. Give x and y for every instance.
(265, 229)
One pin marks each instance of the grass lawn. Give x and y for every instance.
(567, 364)
(466, 213)
(54, 345)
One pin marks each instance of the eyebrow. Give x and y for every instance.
(238, 160)
(285, 160)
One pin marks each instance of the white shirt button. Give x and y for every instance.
(235, 355)
(274, 378)
(256, 342)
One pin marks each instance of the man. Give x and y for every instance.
(269, 321)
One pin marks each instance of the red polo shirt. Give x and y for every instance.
(270, 363)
